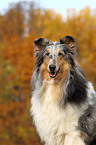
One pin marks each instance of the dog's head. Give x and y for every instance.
(54, 59)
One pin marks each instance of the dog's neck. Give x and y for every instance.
(51, 91)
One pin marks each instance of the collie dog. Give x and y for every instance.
(63, 101)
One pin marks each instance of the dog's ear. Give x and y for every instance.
(70, 41)
(39, 44)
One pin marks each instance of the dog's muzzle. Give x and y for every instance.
(53, 72)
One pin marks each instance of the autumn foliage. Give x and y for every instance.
(20, 25)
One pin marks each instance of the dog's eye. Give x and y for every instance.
(47, 53)
(60, 54)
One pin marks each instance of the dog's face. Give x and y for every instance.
(52, 57)
(54, 65)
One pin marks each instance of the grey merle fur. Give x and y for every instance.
(75, 89)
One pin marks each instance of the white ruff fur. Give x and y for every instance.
(55, 125)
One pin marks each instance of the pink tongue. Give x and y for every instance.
(53, 74)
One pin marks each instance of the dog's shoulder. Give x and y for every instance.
(87, 121)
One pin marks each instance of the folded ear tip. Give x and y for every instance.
(70, 37)
(67, 39)
(38, 40)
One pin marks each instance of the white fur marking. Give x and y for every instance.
(56, 126)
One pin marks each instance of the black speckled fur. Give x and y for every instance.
(76, 86)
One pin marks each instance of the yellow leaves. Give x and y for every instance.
(52, 23)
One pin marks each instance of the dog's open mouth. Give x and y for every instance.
(53, 74)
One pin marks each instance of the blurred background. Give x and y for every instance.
(21, 22)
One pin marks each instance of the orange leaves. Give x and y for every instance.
(10, 113)
(21, 55)
(16, 124)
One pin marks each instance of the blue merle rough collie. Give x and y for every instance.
(63, 101)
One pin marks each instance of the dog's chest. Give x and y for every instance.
(50, 119)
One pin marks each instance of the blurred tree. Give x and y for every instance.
(12, 22)
(36, 20)
(53, 25)
(21, 55)
(9, 85)
(15, 120)
(46, 23)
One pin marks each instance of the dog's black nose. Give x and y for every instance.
(52, 67)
